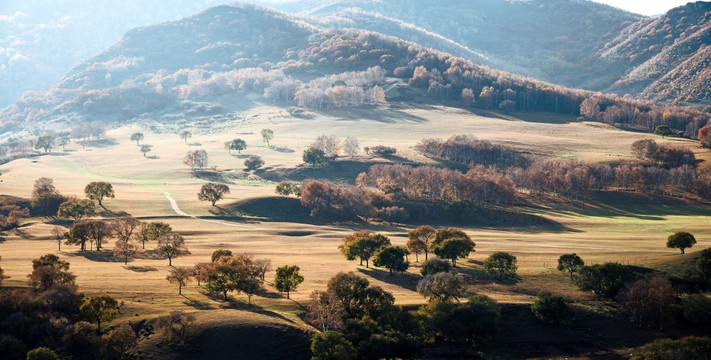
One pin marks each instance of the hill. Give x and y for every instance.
(661, 59)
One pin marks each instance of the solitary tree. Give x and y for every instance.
(196, 159)
(213, 192)
(99, 308)
(238, 144)
(500, 263)
(58, 236)
(171, 245)
(253, 162)
(287, 279)
(454, 248)
(76, 209)
(570, 263)
(442, 287)
(681, 240)
(392, 258)
(137, 137)
(45, 142)
(98, 190)
(422, 237)
(350, 146)
(181, 276)
(267, 135)
(467, 97)
(185, 135)
(662, 130)
(145, 149)
(314, 156)
(552, 309)
(64, 141)
(287, 188)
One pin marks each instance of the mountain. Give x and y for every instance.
(41, 40)
(208, 67)
(592, 46)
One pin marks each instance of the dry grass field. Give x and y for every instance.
(624, 227)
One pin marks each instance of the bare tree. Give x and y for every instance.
(350, 146)
(185, 135)
(58, 236)
(326, 311)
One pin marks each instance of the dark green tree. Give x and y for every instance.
(362, 245)
(45, 142)
(314, 156)
(98, 190)
(442, 287)
(99, 308)
(454, 248)
(287, 278)
(570, 263)
(213, 192)
(604, 280)
(681, 240)
(238, 144)
(137, 137)
(552, 309)
(332, 345)
(392, 258)
(662, 130)
(76, 209)
(267, 135)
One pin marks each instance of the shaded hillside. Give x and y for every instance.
(515, 36)
(668, 56)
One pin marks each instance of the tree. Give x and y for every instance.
(415, 246)
(662, 297)
(467, 97)
(350, 146)
(425, 235)
(604, 280)
(76, 209)
(433, 266)
(704, 135)
(98, 190)
(45, 198)
(350, 289)
(253, 162)
(64, 141)
(325, 311)
(500, 263)
(681, 240)
(145, 148)
(287, 188)
(552, 309)
(185, 135)
(454, 248)
(118, 341)
(570, 263)
(267, 135)
(151, 231)
(125, 227)
(662, 130)
(98, 230)
(314, 156)
(125, 248)
(690, 347)
(137, 137)
(58, 236)
(213, 192)
(287, 278)
(45, 142)
(181, 276)
(332, 345)
(392, 258)
(99, 308)
(262, 266)
(219, 253)
(362, 245)
(238, 144)
(196, 159)
(176, 326)
(442, 287)
(49, 271)
(78, 234)
(171, 245)
(42, 353)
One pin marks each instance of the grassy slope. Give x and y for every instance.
(613, 227)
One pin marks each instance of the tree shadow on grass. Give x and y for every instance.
(285, 150)
(475, 274)
(197, 304)
(404, 280)
(242, 304)
(99, 256)
(106, 213)
(140, 268)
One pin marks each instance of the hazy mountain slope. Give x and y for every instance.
(551, 40)
(40, 40)
(668, 56)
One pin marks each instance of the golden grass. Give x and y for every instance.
(602, 231)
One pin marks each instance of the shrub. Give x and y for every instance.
(697, 309)
(433, 266)
(253, 162)
(552, 309)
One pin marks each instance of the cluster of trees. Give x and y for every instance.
(196, 160)
(232, 272)
(361, 321)
(331, 146)
(346, 89)
(12, 211)
(51, 319)
(48, 202)
(666, 156)
(468, 150)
